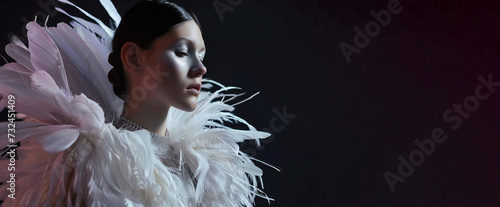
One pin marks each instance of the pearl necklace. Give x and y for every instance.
(127, 124)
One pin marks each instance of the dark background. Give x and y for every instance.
(352, 121)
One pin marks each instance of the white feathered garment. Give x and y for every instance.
(76, 150)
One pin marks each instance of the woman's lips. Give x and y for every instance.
(196, 86)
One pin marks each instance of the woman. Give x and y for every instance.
(149, 43)
(167, 146)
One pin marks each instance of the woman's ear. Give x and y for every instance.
(130, 55)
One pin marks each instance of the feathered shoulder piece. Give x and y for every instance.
(74, 148)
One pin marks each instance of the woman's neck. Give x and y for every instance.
(149, 116)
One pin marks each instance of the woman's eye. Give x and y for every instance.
(181, 54)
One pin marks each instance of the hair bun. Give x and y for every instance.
(111, 59)
(117, 78)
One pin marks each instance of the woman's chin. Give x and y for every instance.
(188, 107)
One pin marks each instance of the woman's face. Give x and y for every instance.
(172, 65)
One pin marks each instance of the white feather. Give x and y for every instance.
(106, 28)
(59, 140)
(80, 61)
(21, 55)
(110, 8)
(14, 39)
(28, 101)
(43, 82)
(45, 55)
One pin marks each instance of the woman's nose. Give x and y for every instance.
(198, 70)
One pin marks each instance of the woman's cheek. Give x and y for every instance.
(181, 66)
(172, 61)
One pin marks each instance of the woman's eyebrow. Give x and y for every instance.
(191, 42)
